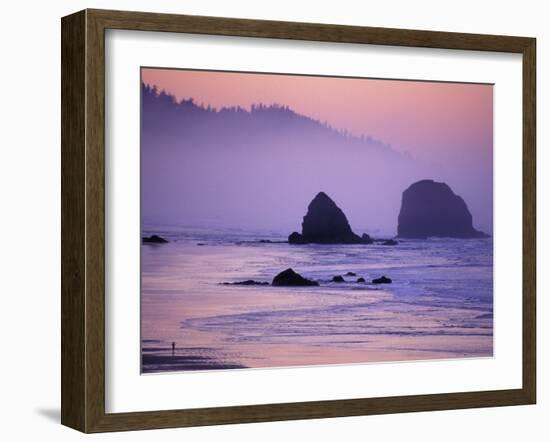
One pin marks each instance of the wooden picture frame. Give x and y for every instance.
(83, 220)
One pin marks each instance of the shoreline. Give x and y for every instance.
(439, 305)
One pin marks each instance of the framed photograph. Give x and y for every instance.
(267, 220)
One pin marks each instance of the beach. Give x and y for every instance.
(439, 305)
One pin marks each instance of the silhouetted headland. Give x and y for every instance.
(429, 208)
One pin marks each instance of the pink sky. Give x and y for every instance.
(430, 120)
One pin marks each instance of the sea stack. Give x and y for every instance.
(429, 208)
(324, 223)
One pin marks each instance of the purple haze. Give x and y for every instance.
(258, 169)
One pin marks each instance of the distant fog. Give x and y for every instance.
(258, 169)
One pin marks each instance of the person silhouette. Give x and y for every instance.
(173, 348)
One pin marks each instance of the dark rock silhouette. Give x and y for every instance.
(337, 278)
(289, 277)
(247, 282)
(382, 280)
(361, 280)
(351, 274)
(324, 223)
(154, 239)
(429, 208)
(238, 145)
(390, 242)
(366, 238)
(171, 126)
(296, 238)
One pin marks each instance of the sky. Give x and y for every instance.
(446, 128)
(432, 120)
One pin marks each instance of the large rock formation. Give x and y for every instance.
(324, 223)
(429, 209)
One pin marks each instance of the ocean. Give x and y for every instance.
(438, 306)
